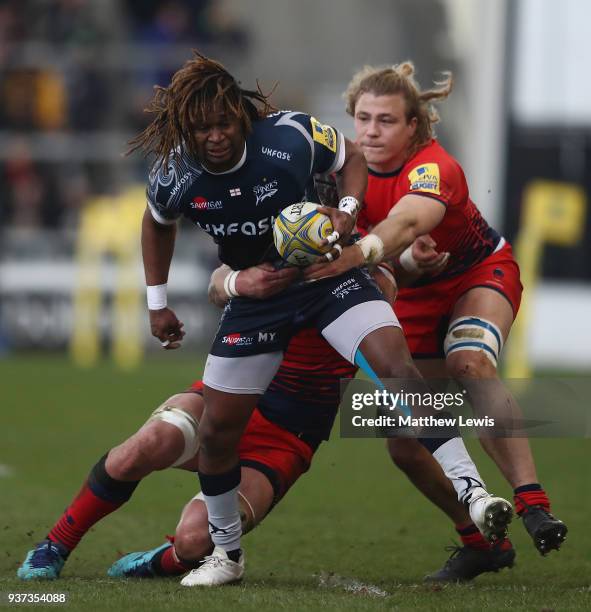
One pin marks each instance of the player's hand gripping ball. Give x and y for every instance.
(298, 232)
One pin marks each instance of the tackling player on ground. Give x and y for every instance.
(291, 420)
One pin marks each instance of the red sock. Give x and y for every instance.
(85, 510)
(471, 537)
(171, 565)
(530, 495)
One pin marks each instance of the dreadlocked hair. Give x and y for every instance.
(198, 88)
(399, 79)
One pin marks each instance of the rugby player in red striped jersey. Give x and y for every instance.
(456, 320)
(291, 420)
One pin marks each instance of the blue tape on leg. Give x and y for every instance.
(362, 363)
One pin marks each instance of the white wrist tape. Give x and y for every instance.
(156, 295)
(372, 248)
(349, 204)
(230, 284)
(408, 262)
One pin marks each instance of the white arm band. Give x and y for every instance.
(230, 283)
(156, 295)
(349, 204)
(372, 248)
(408, 262)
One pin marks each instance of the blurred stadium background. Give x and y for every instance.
(75, 76)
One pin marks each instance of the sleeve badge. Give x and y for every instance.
(324, 134)
(425, 178)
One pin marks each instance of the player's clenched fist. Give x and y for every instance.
(165, 326)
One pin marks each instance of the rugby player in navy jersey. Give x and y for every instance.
(230, 165)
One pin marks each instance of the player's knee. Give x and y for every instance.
(171, 434)
(472, 347)
(219, 436)
(193, 542)
(470, 364)
(139, 455)
(397, 367)
(404, 367)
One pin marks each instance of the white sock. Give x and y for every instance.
(458, 466)
(223, 512)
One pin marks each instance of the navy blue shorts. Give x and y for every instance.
(252, 327)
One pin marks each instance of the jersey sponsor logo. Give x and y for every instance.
(184, 179)
(248, 228)
(235, 192)
(267, 337)
(276, 154)
(264, 191)
(425, 178)
(237, 340)
(324, 134)
(200, 203)
(346, 287)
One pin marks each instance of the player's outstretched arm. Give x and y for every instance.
(413, 216)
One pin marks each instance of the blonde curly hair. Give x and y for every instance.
(399, 79)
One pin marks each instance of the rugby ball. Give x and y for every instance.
(298, 232)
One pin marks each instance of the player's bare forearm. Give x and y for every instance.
(352, 178)
(157, 249)
(397, 232)
(413, 216)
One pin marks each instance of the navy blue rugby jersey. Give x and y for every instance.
(237, 208)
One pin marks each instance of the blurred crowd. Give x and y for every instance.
(75, 76)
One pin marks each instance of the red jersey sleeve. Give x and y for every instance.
(435, 176)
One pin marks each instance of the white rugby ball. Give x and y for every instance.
(298, 232)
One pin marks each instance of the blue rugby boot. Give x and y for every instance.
(137, 564)
(44, 562)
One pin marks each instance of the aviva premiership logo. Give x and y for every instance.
(324, 134)
(425, 178)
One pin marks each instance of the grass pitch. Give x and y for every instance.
(353, 520)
